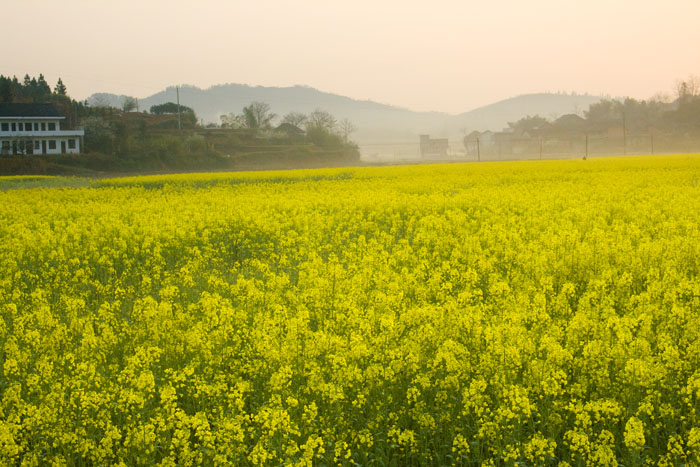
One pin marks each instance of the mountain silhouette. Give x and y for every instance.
(375, 122)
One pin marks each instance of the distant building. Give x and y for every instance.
(430, 147)
(27, 129)
(477, 143)
(615, 131)
(569, 125)
(289, 130)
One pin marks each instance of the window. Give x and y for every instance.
(37, 145)
(14, 126)
(71, 144)
(52, 144)
(5, 147)
(52, 126)
(5, 127)
(43, 126)
(36, 127)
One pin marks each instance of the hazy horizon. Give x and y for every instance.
(451, 57)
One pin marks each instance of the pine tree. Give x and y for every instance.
(5, 89)
(43, 90)
(60, 88)
(16, 89)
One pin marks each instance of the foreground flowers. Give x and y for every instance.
(533, 313)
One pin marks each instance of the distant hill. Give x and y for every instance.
(551, 106)
(376, 123)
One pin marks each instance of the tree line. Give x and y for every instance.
(318, 127)
(679, 113)
(30, 90)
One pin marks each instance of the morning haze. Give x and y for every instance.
(439, 56)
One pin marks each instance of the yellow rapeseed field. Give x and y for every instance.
(516, 313)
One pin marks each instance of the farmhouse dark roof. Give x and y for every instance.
(28, 110)
(290, 129)
(569, 120)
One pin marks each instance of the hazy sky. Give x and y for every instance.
(448, 56)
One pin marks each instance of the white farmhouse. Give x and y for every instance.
(35, 129)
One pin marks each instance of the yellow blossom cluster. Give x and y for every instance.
(524, 313)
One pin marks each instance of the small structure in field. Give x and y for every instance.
(27, 129)
(433, 147)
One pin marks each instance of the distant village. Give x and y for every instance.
(610, 126)
(568, 133)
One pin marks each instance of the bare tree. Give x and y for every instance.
(661, 97)
(296, 119)
(346, 128)
(687, 88)
(694, 85)
(99, 101)
(322, 119)
(233, 121)
(128, 104)
(258, 115)
(681, 89)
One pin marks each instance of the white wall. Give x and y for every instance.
(56, 150)
(68, 150)
(32, 121)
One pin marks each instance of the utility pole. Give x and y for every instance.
(179, 121)
(478, 149)
(540, 148)
(624, 133)
(586, 157)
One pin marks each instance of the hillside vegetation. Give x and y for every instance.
(170, 138)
